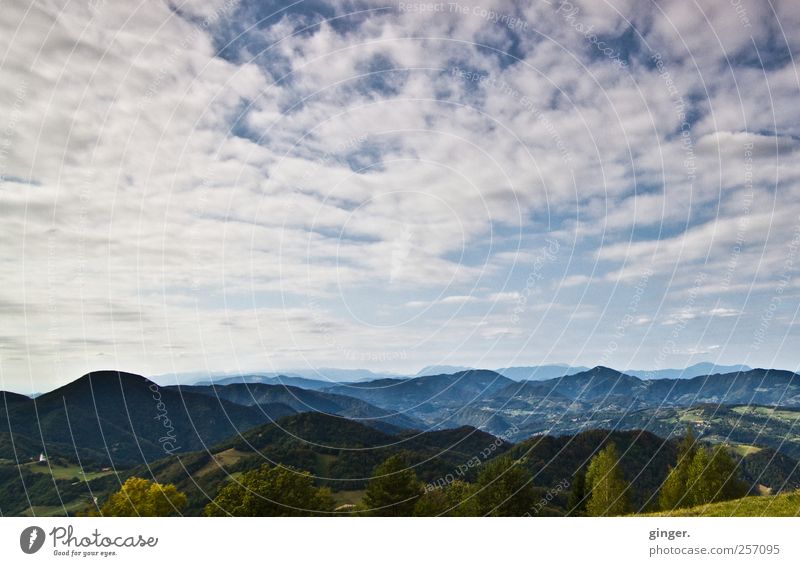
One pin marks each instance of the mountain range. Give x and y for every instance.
(323, 378)
(108, 425)
(118, 418)
(123, 418)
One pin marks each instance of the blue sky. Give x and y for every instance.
(232, 186)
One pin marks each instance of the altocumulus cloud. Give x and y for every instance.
(250, 185)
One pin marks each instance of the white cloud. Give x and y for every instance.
(164, 205)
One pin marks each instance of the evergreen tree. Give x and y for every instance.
(697, 487)
(673, 491)
(576, 503)
(713, 477)
(608, 490)
(454, 500)
(724, 473)
(271, 492)
(139, 497)
(393, 490)
(505, 489)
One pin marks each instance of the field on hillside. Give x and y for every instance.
(65, 471)
(783, 505)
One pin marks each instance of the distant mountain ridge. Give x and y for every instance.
(267, 379)
(551, 371)
(112, 416)
(122, 418)
(540, 373)
(493, 402)
(304, 400)
(425, 396)
(696, 370)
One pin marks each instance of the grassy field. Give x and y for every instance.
(744, 449)
(65, 472)
(221, 460)
(57, 511)
(790, 416)
(348, 497)
(783, 505)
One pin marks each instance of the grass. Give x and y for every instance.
(782, 505)
(65, 472)
(348, 497)
(56, 510)
(744, 449)
(221, 461)
(781, 414)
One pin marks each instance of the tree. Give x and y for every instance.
(454, 500)
(701, 475)
(696, 485)
(608, 490)
(271, 491)
(576, 503)
(393, 490)
(139, 497)
(673, 491)
(505, 489)
(713, 477)
(725, 476)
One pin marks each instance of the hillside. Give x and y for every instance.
(268, 379)
(606, 398)
(340, 453)
(749, 425)
(696, 370)
(783, 505)
(303, 400)
(645, 462)
(121, 418)
(424, 397)
(539, 373)
(7, 398)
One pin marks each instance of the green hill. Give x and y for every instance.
(340, 453)
(783, 505)
(645, 462)
(120, 418)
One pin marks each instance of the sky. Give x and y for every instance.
(236, 185)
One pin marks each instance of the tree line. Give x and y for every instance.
(504, 487)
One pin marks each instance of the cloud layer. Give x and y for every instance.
(241, 185)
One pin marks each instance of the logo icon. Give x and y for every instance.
(31, 540)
